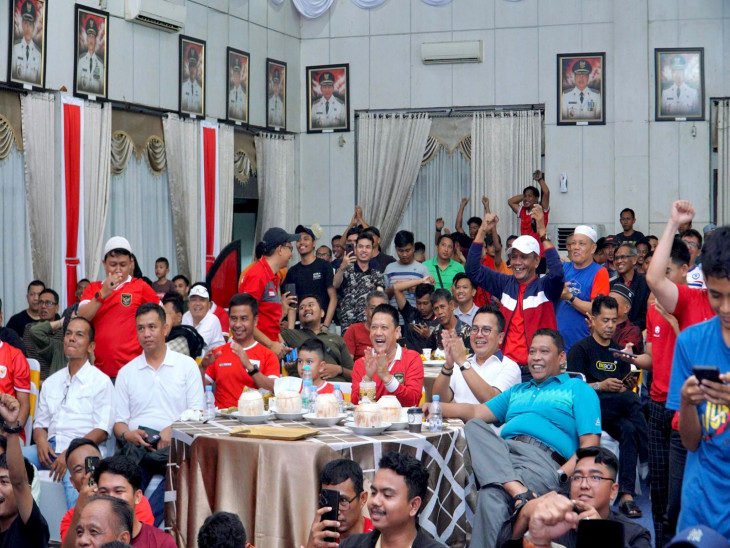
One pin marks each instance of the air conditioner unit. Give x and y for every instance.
(159, 14)
(465, 51)
(559, 234)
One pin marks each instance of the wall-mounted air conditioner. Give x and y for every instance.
(559, 233)
(159, 14)
(465, 51)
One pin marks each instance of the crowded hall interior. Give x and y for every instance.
(364, 273)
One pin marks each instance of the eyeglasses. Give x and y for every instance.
(345, 502)
(622, 257)
(47, 303)
(592, 480)
(323, 255)
(692, 244)
(289, 247)
(486, 330)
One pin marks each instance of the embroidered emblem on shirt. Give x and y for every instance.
(399, 377)
(3, 371)
(126, 299)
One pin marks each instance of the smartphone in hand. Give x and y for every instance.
(706, 372)
(331, 498)
(349, 248)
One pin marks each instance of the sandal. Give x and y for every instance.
(519, 501)
(630, 509)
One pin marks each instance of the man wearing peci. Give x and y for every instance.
(581, 102)
(90, 69)
(328, 111)
(26, 57)
(237, 95)
(192, 93)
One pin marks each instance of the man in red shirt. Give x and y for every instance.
(15, 379)
(110, 306)
(529, 198)
(242, 361)
(396, 371)
(357, 336)
(262, 283)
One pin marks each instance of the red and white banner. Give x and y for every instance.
(210, 240)
(72, 241)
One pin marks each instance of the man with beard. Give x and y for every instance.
(625, 260)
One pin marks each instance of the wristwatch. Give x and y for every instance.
(596, 387)
(572, 298)
(464, 366)
(545, 238)
(98, 297)
(253, 371)
(12, 429)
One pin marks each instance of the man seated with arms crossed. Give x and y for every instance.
(357, 337)
(419, 321)
(443, 305)
(83, 481)
(338, 358)
(593, 486)
(609, 376)
(396, 371)
(104, 521)
(397, 494)
(545, 421)
(481, 376)
(75, 402)
(242, 362)
(344, 476)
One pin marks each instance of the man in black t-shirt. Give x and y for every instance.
(31, 314)
(621, 414)
(19, 514)
(420, 320)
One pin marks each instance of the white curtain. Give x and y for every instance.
(368, 4)
(439, 187)
(389, 151)
(312, 8)
(139, 210)
(225, 183)
(15, 246)
(39, 130)
(505, 151)
(183, 170)
(97, 158)
(278, 190)
(723, 162)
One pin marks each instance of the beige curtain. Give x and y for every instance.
(723, 162)
(225, 183)
(278, 190)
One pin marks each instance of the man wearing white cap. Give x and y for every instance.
(201, 317)
(584, 280)
(526, 300)
(110, 306)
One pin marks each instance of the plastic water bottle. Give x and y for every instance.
(307, 389)
(209, 411)
(340, 398)
(435, 415)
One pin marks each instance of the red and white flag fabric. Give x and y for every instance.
(210, 238)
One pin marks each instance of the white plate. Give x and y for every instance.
(289, 416)
(402, 425)
(434, 363)
(368, 431)
(252, 419)
(324, 421)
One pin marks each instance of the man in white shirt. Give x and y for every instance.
(464, 292)
(26, 58)
(693, 239)
(483, 375)
(75, 402)
(191, 94)
(153, 390)
(237, 94)
(90, 69)
(201, 317)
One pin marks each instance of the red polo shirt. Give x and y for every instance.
(407, 368)
(263, 285)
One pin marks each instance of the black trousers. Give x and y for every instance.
(660, 431)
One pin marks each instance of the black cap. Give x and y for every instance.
(624, 291)
(237, 65)
(28, 11)
(91, 26)
(582, 67)
(276, 76)
(274, 237)
(192, 56)
(327, 78)
(303, 229)
(610, 240)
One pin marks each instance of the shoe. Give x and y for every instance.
(630, 509)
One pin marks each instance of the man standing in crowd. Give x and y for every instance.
(629, 235)
(338, 249)
(382, 260)
(182, 287)
(464, 292)
(396, 371)
(621, 414)
(162, 285)
(111, 305)
(262, 283)
(609, 246)
(626, 332)
(397, 495)
(692, 238)
(626, 273)
(443, 306)
(523, 206)
(355, 279)
(462, 239)
(324, 253)
(584, 280)
(31, 314)
(479, 377)
(419, 321)
(526, 301)
(8, 335)
(313, 276)
(201, 317)
(442, 267)
(357, 337)
(544, 422)
(407, 268)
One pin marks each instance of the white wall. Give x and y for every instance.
(632, 161)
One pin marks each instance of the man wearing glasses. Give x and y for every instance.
(625, 260)
(50, 322)
(593, 486)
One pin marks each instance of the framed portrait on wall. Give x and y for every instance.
(680, 84)
(91, 53)
(27, 48)
(192, 76)
(237, 87)
(328, 98)
(275, 94)
(581, 89)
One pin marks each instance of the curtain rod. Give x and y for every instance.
(453, 111)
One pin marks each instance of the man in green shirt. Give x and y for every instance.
(442, 267)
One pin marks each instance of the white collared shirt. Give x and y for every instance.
(209, 328)
(71, 407)
(156, 398)
(467, 317)
(498, 371)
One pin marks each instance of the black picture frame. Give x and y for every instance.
(276, 80)
(237, 94)
(191, 88)
(337, 116)
(91, 70)
(679, 83)
(581, 102)
(27, 68)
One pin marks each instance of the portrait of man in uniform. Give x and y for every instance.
(680, 84)
(27, 47)
(92, 37)
(328, 98)
(238, 62)
(192, 76)
(581, 89)
(275, 94)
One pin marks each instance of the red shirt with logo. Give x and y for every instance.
(263, 285)
(115, 324)
(661, 336)
(230, 376)
(14, 372)
(526, 226)
(407, 368)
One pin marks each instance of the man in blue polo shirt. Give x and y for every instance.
(535, 450)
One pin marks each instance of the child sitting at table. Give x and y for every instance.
(311, 353)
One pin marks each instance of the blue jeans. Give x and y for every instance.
(30, 452)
